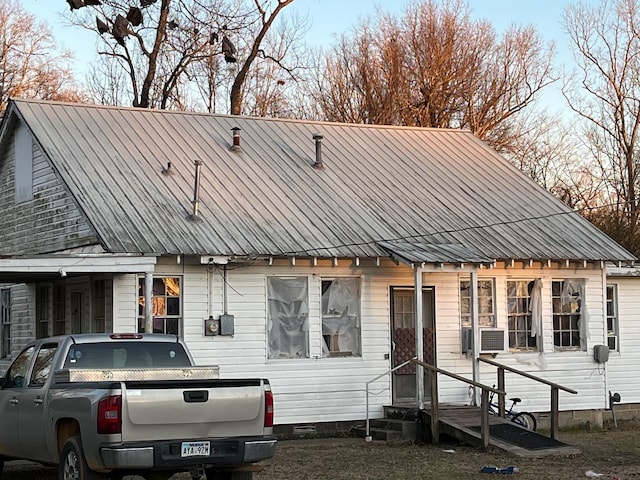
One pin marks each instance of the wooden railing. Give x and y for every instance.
(484, 402)
(555, 389)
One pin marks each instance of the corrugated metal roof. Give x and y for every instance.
(379, 184)
(417, 252)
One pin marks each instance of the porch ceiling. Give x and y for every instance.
(419, 252)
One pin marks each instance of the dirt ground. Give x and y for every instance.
(612, 453)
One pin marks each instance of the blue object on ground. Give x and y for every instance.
(505, 470)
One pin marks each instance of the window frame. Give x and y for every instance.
(465, 303)
(331, 342)
(5, 322)
(161, 301)
(271, 342)
(612, 319)
(560, 318)
(523, 311)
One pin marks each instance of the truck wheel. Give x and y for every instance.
(73, 465)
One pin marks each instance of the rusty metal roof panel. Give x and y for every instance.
(378, 184)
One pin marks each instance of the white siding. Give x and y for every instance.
(623, 365)
(320, 389)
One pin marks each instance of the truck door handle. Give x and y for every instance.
(195, 396)
(37, 401)
(14, 401)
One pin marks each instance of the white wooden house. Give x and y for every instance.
(292, 250)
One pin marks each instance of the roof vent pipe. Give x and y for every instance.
(236, 139)
(196, 193)
(318, 163)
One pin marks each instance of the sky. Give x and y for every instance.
(330, 18)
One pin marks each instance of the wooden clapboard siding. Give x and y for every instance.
(320, 389)
(624, 365)
(51, 221)
(573, 369)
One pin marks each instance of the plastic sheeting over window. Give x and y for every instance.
(341, 317)
(288, 317)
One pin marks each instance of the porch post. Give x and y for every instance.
(475, 334)
(417, 268)
(148, 299)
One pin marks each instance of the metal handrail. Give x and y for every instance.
(391, 370)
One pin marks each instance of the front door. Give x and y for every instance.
(403, 340)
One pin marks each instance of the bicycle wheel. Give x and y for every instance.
(526, 420)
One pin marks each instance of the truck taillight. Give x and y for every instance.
(268, 408)
(110, 415)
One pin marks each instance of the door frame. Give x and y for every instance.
(429, 324)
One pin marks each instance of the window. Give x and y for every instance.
(42, 367)
(23, 146)
(42, 311)
(59, 310)
(14, 377)
(612, 317)
(166, 305)
(5, 322)
(98, 309)
(288, 317)
(341, 317)
(566, 296)
(519, 304)
(486, 316)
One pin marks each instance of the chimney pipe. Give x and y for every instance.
(236, 140)
(318, 163)
(196, 193)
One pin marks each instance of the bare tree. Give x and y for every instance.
(605, 93)
(435, 67)
(158, 44)
(31, 66)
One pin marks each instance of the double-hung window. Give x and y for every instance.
(612, 317)
(520, 318)
(166, 305)
(341, 317)
(486, 313)
(568, 315)
(288, 317)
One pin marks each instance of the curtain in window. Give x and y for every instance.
(288, 317)
(574, 290)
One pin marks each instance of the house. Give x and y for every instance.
(307, 253)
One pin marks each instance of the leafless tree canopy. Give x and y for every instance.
(434, 67)
(180, 53)
(30, 64)
(605, 93)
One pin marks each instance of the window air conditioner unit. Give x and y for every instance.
(493, 340)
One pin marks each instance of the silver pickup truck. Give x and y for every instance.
(109, 405)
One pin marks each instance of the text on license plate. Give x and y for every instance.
(194, 449)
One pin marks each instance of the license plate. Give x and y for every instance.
(195, 449)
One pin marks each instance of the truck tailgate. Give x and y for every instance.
(192, 409)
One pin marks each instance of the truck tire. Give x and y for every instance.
(73, 465)
(213, 474)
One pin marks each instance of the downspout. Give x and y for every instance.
(417, 268)
(607, 396)
(475, 334)
(148, 298)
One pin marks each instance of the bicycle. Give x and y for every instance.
(524, 419)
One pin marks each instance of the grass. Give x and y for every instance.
(613, 452)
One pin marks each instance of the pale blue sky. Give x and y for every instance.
(330, 18)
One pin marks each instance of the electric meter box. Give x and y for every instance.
(601, 353)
